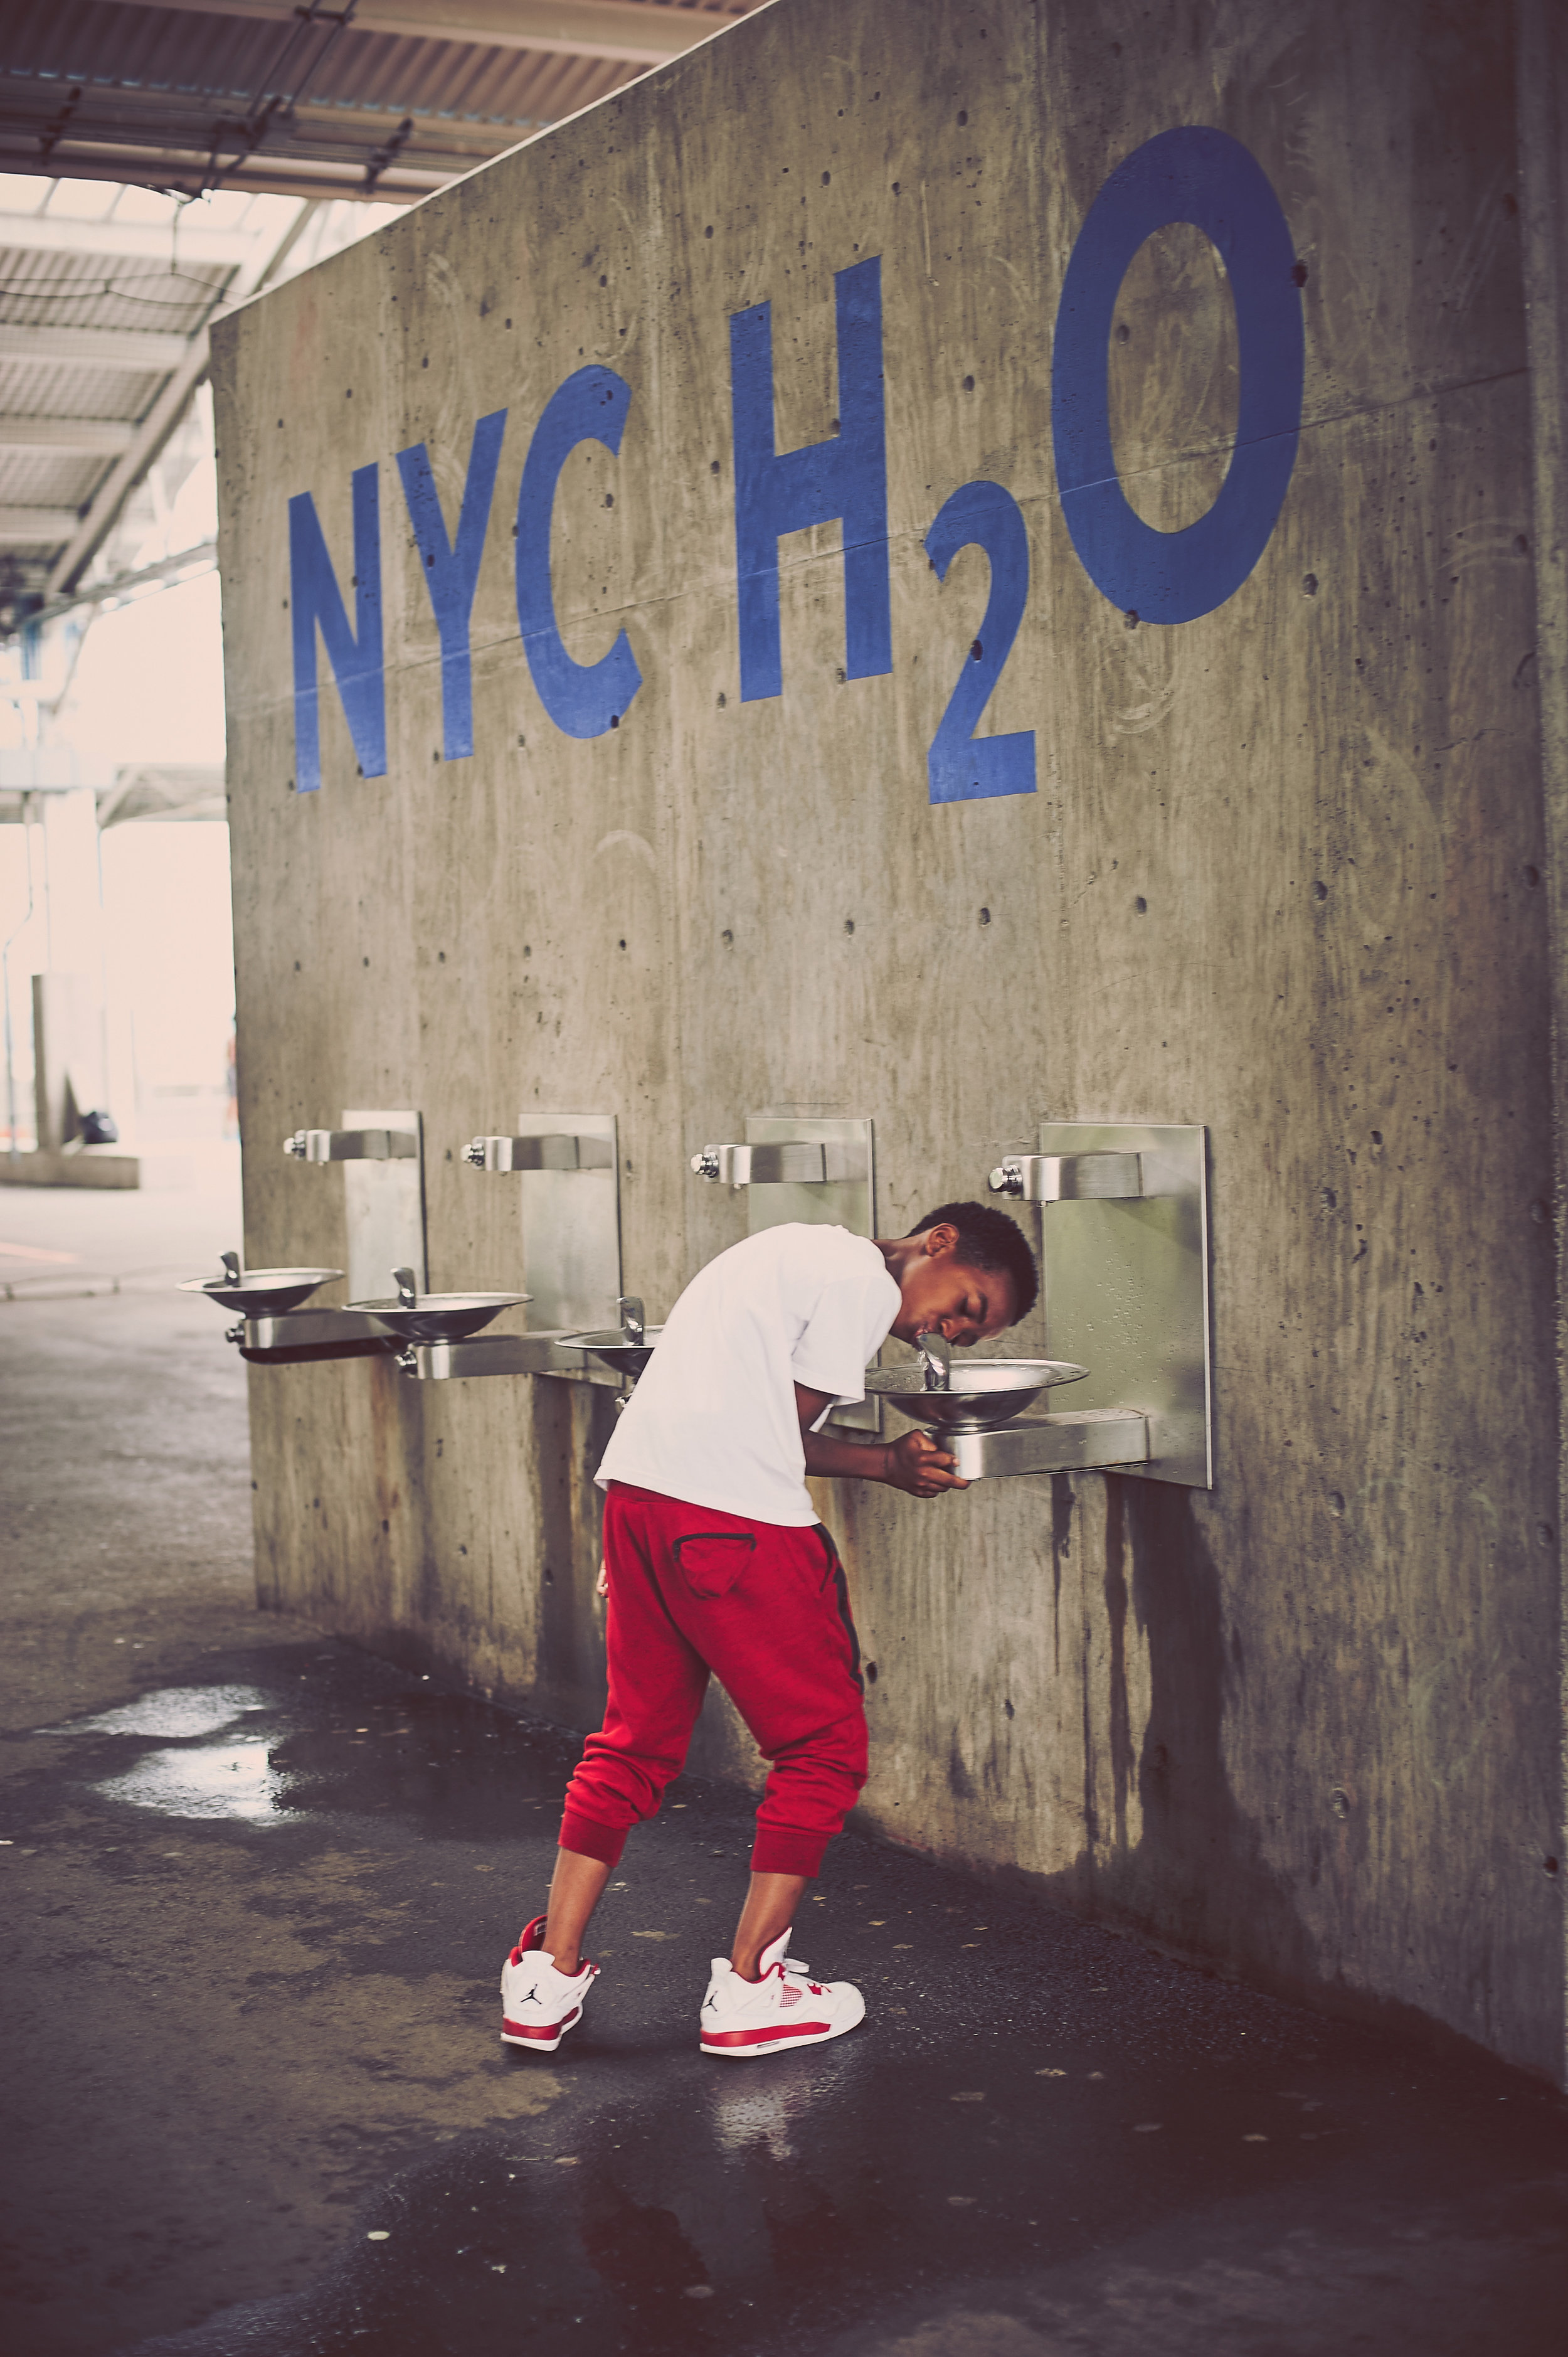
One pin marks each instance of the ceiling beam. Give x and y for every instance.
(127, 240)
(93, 437)
(36, 527)
(323, 130)
(185, 565)
(161, 419)
(183, 173)
(636, 31)
(94, 347)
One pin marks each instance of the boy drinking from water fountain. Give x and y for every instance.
(716, 1565)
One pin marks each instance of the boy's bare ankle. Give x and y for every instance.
(566, 1960)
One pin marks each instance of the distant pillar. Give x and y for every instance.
(69, 1053)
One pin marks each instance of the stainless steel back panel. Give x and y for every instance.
(829, 1203)
(571, 1227)
(384, 1209)
(1126, 1287)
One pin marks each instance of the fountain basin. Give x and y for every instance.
(984, 1393)
(613, 1346)
(262, 1292)
(438, 1317)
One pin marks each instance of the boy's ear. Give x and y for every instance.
(939, 1240)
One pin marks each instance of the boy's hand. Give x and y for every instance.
(919, 1466)
(602, 1585)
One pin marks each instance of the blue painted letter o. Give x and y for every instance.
(1208, 179)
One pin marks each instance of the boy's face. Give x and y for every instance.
(943, 1295)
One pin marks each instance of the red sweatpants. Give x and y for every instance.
(761, 1607)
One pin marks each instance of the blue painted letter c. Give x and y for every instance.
(582, 699)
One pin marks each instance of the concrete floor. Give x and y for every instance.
(255, 2098)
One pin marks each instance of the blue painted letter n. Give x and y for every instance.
(355, 655)
(843, 479)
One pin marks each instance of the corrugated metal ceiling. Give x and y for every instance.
(248, 103)
(144, 91)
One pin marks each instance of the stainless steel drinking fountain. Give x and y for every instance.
(259, 1292)
(412, 1317)
(383, 1154)
(569, 1209)
(1124, 1274)
(821, 1171)
(274, 1329)
(981, 1414)
(626, 1348)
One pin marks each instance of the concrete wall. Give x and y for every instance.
(1280, 874)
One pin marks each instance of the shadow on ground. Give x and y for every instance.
(262, 2104)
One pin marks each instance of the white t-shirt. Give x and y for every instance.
(712, 1419)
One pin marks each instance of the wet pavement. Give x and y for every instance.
(257, 1889)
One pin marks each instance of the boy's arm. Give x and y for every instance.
(913, 1463)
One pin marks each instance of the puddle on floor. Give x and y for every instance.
(210, 1779)
(174, 1714)
(343, 1735)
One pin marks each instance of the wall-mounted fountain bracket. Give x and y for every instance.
(552, 1151)
(817, 1162)
(383, 1154)
(508, 1354)
(1125, 1270)
(353, 1146)
(1082, 1441)
(1074, 1178)
(299, 1336)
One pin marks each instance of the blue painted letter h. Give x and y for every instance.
(843, 479)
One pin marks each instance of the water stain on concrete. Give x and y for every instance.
(1196, 1869)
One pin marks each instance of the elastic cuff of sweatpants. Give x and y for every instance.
(779, 1849)
(588, 1839)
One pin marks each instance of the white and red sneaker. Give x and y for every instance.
(539, 2004)
(781, 2007)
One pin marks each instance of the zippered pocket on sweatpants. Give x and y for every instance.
(711, 1561)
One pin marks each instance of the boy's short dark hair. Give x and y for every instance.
(989, 1239)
